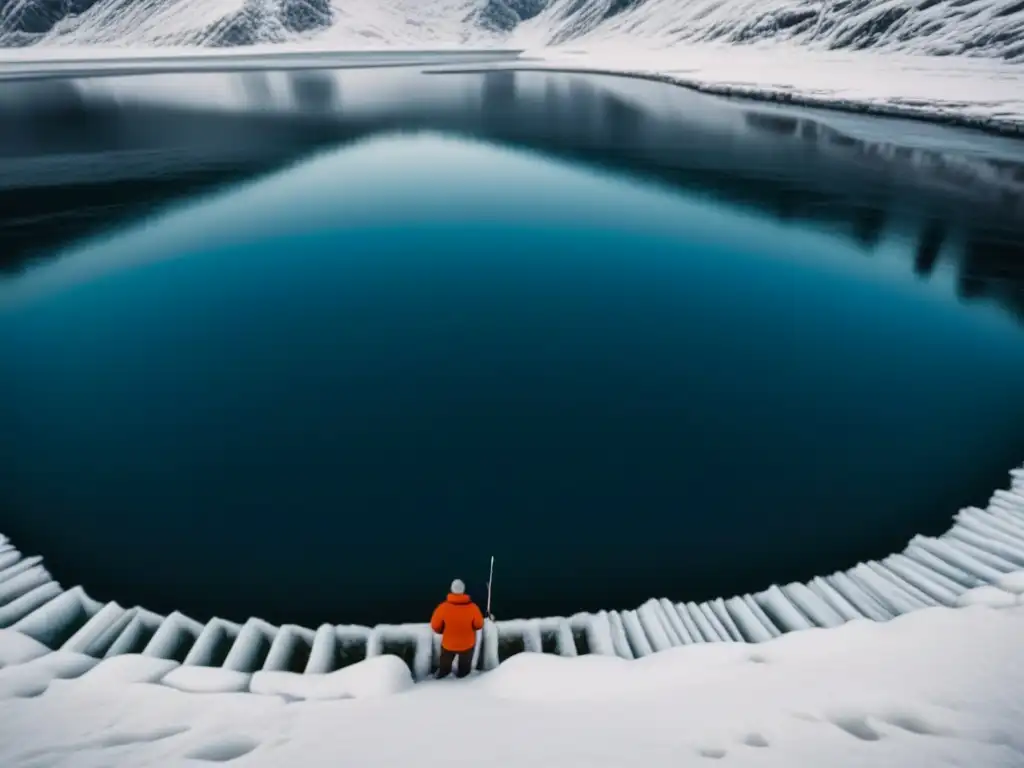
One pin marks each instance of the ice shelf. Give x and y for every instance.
(960, 567)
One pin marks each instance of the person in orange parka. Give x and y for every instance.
(457, 620)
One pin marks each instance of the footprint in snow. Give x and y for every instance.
(224, 749)
(755, 740)
(712, 752)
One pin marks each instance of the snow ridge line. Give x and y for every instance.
(977, 28)
(968, 560)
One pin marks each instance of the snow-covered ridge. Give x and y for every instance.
(989, 28)
(980, 559)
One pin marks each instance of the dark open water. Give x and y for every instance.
(308, 345)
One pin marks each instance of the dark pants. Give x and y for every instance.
(447, 657)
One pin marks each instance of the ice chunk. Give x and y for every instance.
(655, 627)
(677, 633)
(27, 604)
(635, 634)
(599, 631)
(928, 583)
(131, 634)
(753, 629)
(287, 643)
(979, 528)
(532, 642)
(15, 566)
(820, 612)
(927, 560)
(1011, 520)
(8, 560)
(324, 651)
(716, 623)
(251, 646)
(990, 527)
(762, 617)
(564, 640)
(683, 612)
(775, 603)
(174, 638)
(906, 588)
(489, 638)
(831, 595)
(958, 558)
(1018, 481)
(618, 632)
(961, 541)
(353, 643)
(215, 635)
(706, 631)
(85, 638)
(1010, 499)
(49, 622)
(23, 583)
(718, 609)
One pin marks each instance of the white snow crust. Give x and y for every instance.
(940, 686)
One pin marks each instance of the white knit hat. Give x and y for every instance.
(458, 587)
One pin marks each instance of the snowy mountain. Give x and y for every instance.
(984, 28)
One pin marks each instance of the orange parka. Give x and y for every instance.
(457, 620)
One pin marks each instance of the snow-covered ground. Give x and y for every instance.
(938, 687)
(972, 91)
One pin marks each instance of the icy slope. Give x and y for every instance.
(990, 28)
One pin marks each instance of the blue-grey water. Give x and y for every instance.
(631, 341)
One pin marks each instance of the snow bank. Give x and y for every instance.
(940, 686)
(33, 677)
(925, 640)
(378, 676)
(16, 648)
(207, 680)
(131, 668)
(1012, 582)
